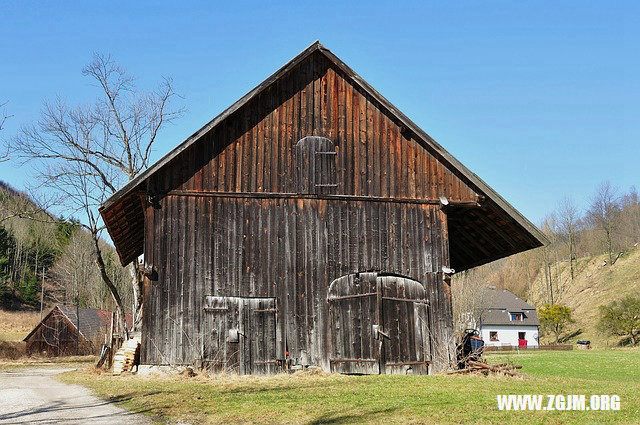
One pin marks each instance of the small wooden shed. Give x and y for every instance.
(310, 223)
(66, 330)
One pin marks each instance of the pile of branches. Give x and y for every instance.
(473, 367)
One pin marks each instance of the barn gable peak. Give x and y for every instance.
(129, 241)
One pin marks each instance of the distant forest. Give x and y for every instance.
(36, 246)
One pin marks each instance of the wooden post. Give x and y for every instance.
(77, 325)
(110, 357)
(42, 295)
(381, 353)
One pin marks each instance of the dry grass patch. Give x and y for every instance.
(15, 325)
(83, 362)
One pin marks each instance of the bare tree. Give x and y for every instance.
(549, 256)
(469, 298)
(603, 212)
(3, 119)
(3, 116)
(84, 154)
(568, 222)
(630, 217)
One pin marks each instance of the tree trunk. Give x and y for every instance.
(137, 283)
(609, 247)
(107, 280)
(571, 254)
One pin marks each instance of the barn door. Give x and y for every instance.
(222, 325)
(240, 334)
(379, 324)
(405, 339)
(353, 313)
(259, 336)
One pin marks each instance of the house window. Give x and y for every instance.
(517, 316)
(493, 336)
(316, 165)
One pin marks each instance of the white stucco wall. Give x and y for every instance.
(508, 335)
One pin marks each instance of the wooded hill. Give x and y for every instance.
(35, 244)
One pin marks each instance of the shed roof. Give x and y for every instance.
(124, 217)
(93, 322)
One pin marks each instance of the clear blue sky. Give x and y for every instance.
(540, 99)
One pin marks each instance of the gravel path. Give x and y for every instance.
(35, 396)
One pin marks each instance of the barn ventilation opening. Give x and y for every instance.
(316, 165)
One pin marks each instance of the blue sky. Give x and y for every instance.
(540, 99)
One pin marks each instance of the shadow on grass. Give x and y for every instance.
(126, 397)
(353, 418)
(278, 389)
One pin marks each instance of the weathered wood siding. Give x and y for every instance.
(254, 150)
(230, 217)
(287, 249)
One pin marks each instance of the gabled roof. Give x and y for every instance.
(495, 306)
(93, 322)
(130, 244)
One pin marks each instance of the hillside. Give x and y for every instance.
(37, 246)
(594, 284)
(31, 241)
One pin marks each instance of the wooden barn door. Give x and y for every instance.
(353, 313)
(258, 338)
(240, 334)
(379, 324)
(405, 332)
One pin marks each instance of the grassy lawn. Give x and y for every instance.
(322, 398)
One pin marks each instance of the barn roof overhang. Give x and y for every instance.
(494, 231)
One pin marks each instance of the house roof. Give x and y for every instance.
(497, 304)
(125, 222)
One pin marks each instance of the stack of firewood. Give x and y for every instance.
(124, 358)
(483, 368)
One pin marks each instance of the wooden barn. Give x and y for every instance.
(66, 330)
(310, 223)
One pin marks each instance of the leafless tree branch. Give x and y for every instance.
(84, 154)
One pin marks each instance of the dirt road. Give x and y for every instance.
(34, 395)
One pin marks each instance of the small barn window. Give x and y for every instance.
(493, 336)
(316, 165)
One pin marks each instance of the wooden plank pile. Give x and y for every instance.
(483, 368)
(124, 358)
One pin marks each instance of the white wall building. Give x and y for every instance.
(506, 320)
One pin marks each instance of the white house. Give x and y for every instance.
(506, 320)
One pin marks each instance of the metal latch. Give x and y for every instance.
(377, 331)
(233, 336)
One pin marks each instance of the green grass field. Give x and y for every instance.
(318, 398)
